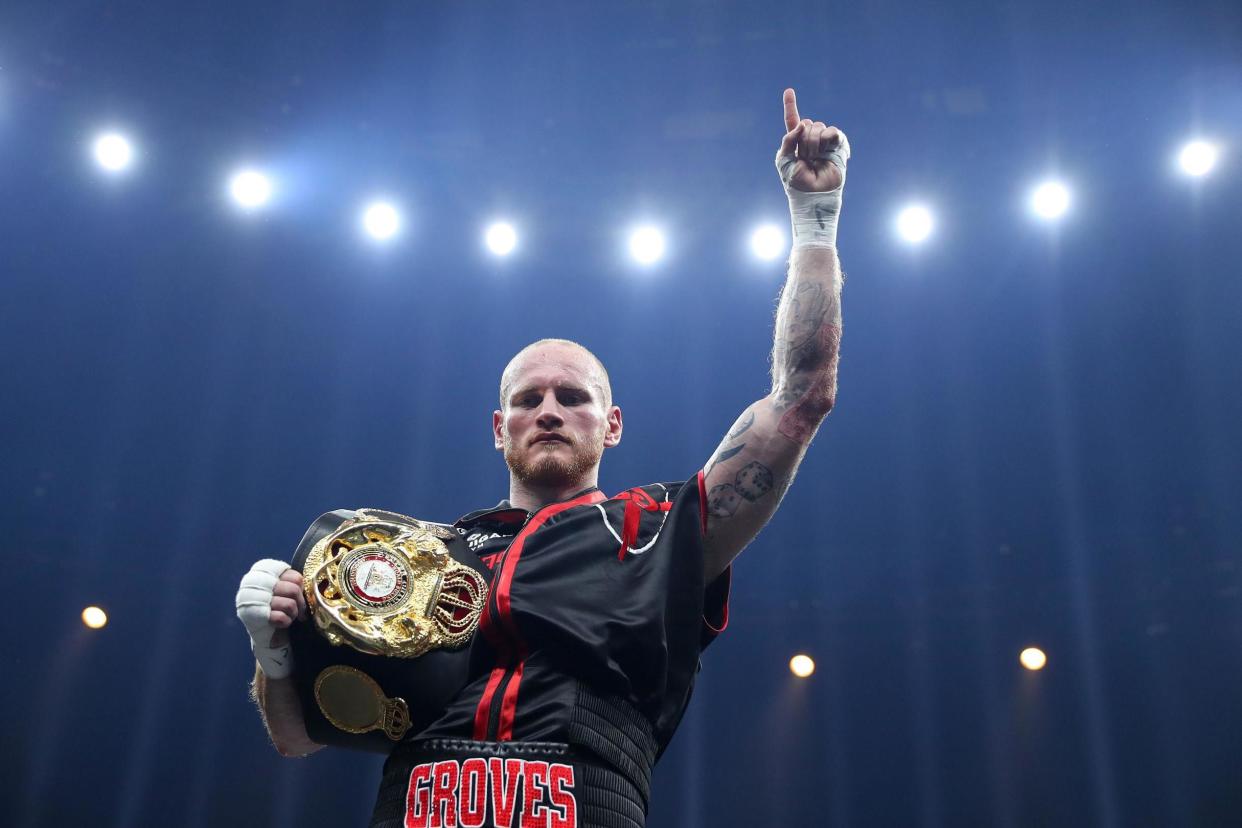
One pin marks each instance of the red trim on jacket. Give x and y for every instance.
(501, 630)
(718, 589)
(636, 502)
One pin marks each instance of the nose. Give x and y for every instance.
(549, 414)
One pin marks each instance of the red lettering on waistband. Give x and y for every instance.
(418, 797)
(523, 793)
(472, 804)
(534, 812)
(561, 790)
(505, 780)
(444, 794)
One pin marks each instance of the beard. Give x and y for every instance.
(544, 468)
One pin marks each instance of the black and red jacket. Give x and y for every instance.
(591, 598)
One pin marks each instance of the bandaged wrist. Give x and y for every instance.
(813, 217)
(275, 662)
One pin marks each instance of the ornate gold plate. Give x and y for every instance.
(385, 584)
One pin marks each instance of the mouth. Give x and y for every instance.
(548, 438)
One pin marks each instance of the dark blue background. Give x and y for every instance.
(1036, 438)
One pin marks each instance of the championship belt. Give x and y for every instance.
(393, 601)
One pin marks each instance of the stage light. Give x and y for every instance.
(501, 238)
(381, 220)
(914, 223)
(113, 151)
(250, 189)
(1197, 158)
(768, 242)
(1050, 200)
(1033, 658)
(801, 665)
(646, 244)
(94, 617)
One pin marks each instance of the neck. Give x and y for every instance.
(530, 496)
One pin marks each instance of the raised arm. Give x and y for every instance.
(752, 468)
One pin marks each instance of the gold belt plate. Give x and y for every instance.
(385, 584)
(354, 702)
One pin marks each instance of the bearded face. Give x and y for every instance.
(553, 462)
(556, 420)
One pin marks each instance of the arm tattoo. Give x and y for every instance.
(807, 309)
(742, 425)
(753, 481)
(722, 501)
(805, 352)
(722, 456)
(806, 399)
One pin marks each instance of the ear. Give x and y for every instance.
(613, 435)
(498, 434)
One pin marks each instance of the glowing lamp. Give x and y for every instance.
(113, 152)
(1033, 658)
(914, 223)
(646, 245)
(501, 238)
(801, 665)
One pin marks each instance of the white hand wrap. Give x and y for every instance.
(814, 215)
(254, 608)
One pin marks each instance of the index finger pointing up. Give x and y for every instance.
(791, 110)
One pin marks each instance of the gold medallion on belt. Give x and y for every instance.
(385, 584)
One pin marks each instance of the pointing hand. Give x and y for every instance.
(812, 156)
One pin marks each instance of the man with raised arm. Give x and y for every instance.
(598, 607)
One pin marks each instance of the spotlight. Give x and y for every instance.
(1033, 658)
(250, 189)
(94, 617)
(914, 223)
(381, 220)
(1050, 200)
(768, 242)
(801, 665)
(646, 244)
(1197, 158)
(501, 238)
(113, 151)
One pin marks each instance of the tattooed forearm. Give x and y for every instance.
(807, 343)
(752, 481)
